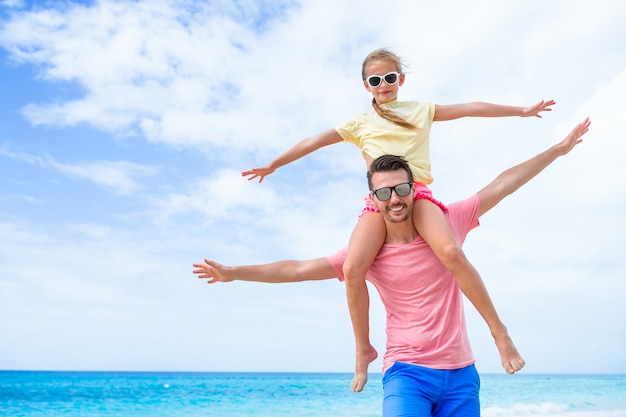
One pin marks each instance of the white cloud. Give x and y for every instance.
(119, 176)
(12, 3)
(137, 62)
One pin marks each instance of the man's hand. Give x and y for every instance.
(574, 137)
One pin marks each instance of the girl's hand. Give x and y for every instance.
(260, 172)
(212, 271)
(538, 108)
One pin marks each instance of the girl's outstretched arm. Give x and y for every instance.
(301, 149)
(481, 109)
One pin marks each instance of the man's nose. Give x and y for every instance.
(394, 195)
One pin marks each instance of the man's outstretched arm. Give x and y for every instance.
(273, 273)
(513, 178)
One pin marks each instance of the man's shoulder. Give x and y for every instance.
(464, 213)
(336, 260)
(464, 204)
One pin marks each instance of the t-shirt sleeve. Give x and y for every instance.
(349, 130)
(336, 260)
(431, 112)
(423, 113)
(463, 216)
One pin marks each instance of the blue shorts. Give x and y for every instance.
(415, 391)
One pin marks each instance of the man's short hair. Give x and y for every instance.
(388, 163)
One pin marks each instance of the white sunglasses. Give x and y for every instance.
(390, 79)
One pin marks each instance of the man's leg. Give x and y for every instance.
(460, 394)
(410, 390)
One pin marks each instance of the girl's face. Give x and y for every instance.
(383, 93)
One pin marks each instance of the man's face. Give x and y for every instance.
(397, 209)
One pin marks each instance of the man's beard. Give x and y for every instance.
(394, 218)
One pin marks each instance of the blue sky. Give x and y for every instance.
(124, 126)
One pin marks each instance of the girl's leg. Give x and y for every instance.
(432, 225)
(366, 240)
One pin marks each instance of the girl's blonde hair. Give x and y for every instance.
(386, 55)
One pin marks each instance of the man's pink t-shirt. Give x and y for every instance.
(424, 305)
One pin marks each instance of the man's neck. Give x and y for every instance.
(400, 233)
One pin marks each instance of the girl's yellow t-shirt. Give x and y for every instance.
(376, 136)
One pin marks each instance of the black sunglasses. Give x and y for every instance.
(390, 78)
(402, 190)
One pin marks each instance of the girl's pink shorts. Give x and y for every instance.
(421, 192)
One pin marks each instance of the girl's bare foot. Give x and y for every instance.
(362, 363)
(512, 361)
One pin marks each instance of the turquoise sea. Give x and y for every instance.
(125, 394)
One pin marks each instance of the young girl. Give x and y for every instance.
(402, 128)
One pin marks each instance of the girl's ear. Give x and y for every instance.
(401, 80)
(366, 85)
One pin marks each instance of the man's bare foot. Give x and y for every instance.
(362, 363)
(512, 361)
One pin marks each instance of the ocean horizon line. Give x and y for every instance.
(295, 372)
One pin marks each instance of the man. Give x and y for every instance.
(428, 364)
